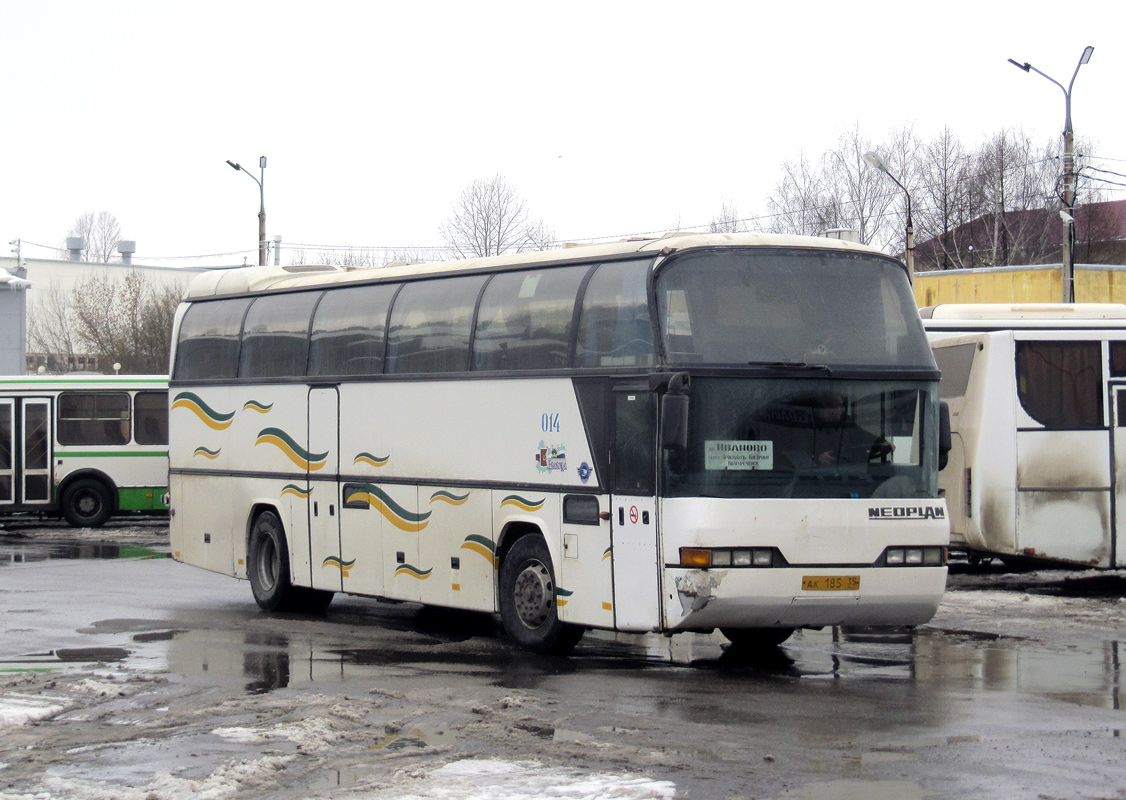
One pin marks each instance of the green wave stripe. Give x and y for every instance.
(337, 561)
(382, 496)
(562, 592)
(449, 497)
(484, 541)
(254, 404)
(522, 502)
(301, 451)
(203, 451)
(195, 398)
(413, 571)
(300, 491)
(375, 461)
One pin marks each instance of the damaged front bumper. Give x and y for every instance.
(704, 599)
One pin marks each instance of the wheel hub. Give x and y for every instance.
(534, 594)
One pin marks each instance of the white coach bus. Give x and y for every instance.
(1037, 397)
(86, 447)
(681, 434)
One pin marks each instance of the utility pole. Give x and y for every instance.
(1067, 276)
(262, 207)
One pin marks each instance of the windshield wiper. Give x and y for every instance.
(794, 365)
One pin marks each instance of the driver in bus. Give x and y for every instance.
(838, 439)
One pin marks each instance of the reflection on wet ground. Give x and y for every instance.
(22, 552)
(263, 662)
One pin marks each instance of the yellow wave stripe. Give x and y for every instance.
(375, 462)
(194, 407)
(512, 501)
(481, 550)
(388, 514)
(290, 453)
(210, 454)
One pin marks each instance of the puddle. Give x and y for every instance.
(29, 552)
(859, 790)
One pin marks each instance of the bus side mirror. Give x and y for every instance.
(674, 414)
(944, 439)
(674, 422)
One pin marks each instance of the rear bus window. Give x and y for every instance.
(150, 417)
(207, 348)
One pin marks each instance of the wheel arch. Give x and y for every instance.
(513, 532)
(258, 508)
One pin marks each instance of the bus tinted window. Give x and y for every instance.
(955, 361)
(615, 329)
(275, 337)
(208, 343)
(1060, 383)
(798, 306)
(348, 331)
(525, 319)
(150, 417)
(93, 418)
(430, 325)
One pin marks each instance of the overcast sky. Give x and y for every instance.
(611, 118)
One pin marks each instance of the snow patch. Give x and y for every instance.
(18, 709)
(476, 779)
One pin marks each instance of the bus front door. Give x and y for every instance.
(325, 560)
(633, 510)
(25, 452)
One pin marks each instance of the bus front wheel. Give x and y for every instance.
(87, 503)
(756, 638)
(527, 600)
(268, 568)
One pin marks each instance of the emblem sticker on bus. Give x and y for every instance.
(551, 458)
(738, 454)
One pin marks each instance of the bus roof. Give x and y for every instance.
(256, 279)
(1017, 311)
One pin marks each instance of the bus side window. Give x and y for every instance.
(615, 328)
(150, 412)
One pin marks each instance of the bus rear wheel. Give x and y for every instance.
(527, 600)
(87, 503)
(268, 568)
(756, 638)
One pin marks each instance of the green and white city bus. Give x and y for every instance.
(84, 446)
(738, 432)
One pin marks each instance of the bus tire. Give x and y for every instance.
(87, 503)
(527, 600)
(756, 638)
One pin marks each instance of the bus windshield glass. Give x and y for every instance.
(807, 438)
(797, 306)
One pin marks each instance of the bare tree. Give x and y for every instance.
(50, 327)
(127, 320)
(796, 205)
(728, 220)
(490, 218)
(101, 232)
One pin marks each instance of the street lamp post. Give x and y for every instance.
(1068, 217)
(262, 208)
(874, 161)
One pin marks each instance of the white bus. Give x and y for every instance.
(84, 446)
(681, 434)
(1037, 397)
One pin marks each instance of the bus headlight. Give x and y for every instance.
(704, 557)
(914, 557)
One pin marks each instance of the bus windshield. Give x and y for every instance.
(740, 306)
(806, 438)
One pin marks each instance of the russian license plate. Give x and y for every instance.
(830, 583)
